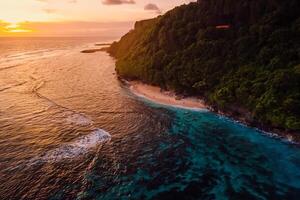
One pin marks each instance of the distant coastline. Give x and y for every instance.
(103, 44)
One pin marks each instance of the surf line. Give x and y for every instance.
(79, 146)
(36, 89)
(12, 86)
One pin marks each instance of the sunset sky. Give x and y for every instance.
(77, 17)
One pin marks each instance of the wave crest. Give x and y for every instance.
(74, 149)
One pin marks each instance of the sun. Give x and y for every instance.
(15, 28)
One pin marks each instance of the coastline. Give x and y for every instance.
(169, 98)
(157, 95)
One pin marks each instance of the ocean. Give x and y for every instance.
(70, 130)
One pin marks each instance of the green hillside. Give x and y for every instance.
(243, 57)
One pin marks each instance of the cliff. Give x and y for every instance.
(243, 57)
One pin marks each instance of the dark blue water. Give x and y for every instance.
(70, 130)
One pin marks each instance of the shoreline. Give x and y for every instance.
(168, 98)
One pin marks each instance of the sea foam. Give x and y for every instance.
(74, 149)
(79, 119)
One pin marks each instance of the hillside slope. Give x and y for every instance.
(243, 57)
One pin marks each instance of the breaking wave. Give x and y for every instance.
(74, 149)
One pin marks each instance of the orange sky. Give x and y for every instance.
(76, 17)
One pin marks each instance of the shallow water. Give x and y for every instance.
(70, 130)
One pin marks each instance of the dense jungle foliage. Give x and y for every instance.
(237, 54)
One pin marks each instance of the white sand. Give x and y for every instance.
(155, 94)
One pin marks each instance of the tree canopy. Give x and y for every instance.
(234, 53)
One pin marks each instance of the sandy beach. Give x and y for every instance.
(155, 94)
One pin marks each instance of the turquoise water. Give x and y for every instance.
(206, 156)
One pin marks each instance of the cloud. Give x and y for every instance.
(107, 30)
(152, 7)
(49, 10)
(7, 29)
(77, 28)
(3, 26)
(117, 2)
